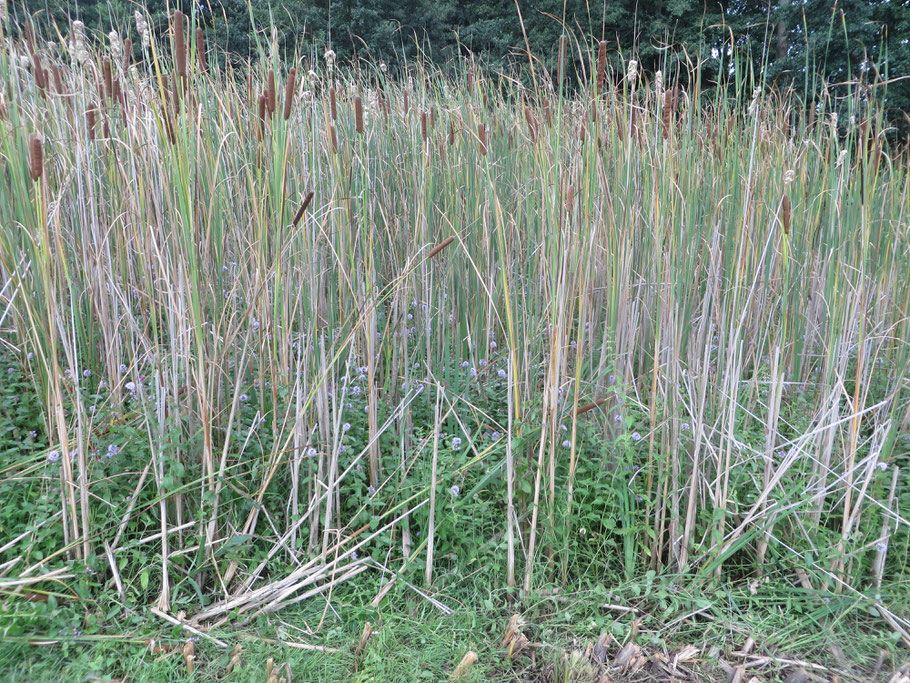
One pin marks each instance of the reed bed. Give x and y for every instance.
(299, 321)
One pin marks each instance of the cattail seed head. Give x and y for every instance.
(423, 126)
(35, 156)
(570, 197)
(270, 92)
(200, 49)
(439, 247)
(451, 133)
(289, 92)
(116, 48)
(302, 209)
(90, 120)
(785, 214)
(143, 29)
(333, 138)
(358, 114)
(106, 77)
(262, 111)
(180, 43)
(601, 65)
(667, 113)
(332, 103)
(407, 104)
(127, 53)
(532, 123)
(482, 138)
(470, 80)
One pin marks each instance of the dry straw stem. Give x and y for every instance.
(469, 660)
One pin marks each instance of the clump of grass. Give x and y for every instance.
(665, 331)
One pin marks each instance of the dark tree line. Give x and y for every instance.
(798, 42)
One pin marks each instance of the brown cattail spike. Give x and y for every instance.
(601, 65)
(200, 50)
(785, 214)
(90, 120)
(270, 92)
(590, 406)
(358, 114)
(302, 209)
(423, 126)
(289, 88)
(35, 156)
(179, 44)
(407, 104)
(332, 103)
(333, 138)
(262, 112)
(482, 137)
(106, 76)
(127, 53)
(532, 123)
(439, 247)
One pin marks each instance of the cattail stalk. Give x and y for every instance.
(561, 62)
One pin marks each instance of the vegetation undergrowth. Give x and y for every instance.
(307, 337)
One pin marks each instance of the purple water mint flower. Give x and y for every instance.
(371, 490)
(465, 364)
(346, 426)
(566, 444)
(456, 442)
(244, 398)
(636, 436)
(455, 491)
(501, 372)
(53, 456)
(113, 450)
